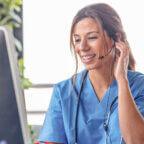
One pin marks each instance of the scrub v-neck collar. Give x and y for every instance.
(108, 97)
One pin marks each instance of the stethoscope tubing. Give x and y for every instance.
(77, 107)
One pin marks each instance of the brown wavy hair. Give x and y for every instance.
(109, 21)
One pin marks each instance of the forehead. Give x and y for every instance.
(86, 25)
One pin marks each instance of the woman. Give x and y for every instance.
(104, 104)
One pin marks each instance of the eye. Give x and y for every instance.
(77, 40)
(92, 37)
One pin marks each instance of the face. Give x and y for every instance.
(91, 42)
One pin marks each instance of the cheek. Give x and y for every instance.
(96, 46)
(76, 50)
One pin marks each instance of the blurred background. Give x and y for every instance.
(47, 56)
(41, 29)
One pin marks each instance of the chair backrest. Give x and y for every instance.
(13, 119)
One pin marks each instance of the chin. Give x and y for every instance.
(93, 66)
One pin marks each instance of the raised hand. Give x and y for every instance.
(121, 60)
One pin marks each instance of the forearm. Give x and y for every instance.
(131, 121)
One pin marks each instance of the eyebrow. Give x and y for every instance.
(93, 32)
(88, 33)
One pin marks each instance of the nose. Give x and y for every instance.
(84, 45)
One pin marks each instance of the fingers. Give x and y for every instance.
(122, 49)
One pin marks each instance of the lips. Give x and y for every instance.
(87, 58)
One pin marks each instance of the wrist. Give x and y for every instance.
(122, 80)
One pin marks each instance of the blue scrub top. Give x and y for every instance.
(97, 121)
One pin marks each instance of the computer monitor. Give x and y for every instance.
(13, 119)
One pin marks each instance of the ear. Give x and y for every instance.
(112, 42)
(108, 38)
(118, 37)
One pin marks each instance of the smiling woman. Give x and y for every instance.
(88, 35)
(104, 103)
(47, 57)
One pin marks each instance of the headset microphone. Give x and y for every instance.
(101, 57)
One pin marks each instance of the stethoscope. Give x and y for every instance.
(106, 119)
(77, 106)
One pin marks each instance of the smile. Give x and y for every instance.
(87, 58)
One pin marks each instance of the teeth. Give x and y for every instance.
(88, 56)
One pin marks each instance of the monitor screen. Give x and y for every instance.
(13, 121)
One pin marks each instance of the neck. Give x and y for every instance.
(101, 78)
